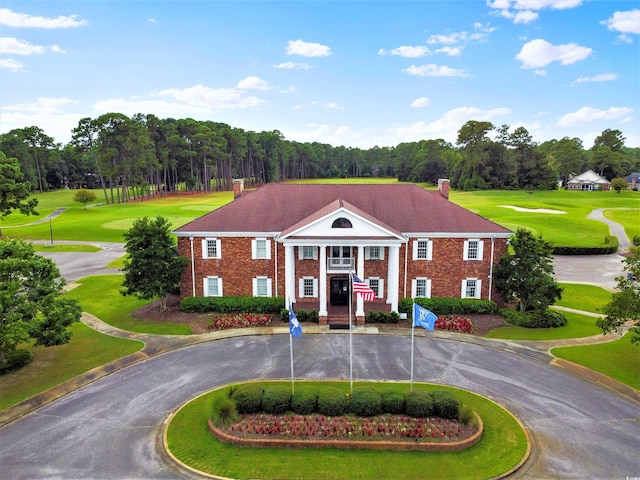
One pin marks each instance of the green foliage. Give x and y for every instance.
(332, 402)
(636, 240)
(392, 401)
(466, 416)
(450, 306)
(224, 413)
(264, 305)
(301, 315)
(248, 398)
(14, 190)
(365, 402)
(610, 246)
(304, 400)
(379, 316)
(546, 318)
(15, 360)
(618, 184)
(153, 267)
(276, 399)
(445, 404)
(418, 404)
(526, 276)
(84, 196)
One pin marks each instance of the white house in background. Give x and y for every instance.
(588, 180)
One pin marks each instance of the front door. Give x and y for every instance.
(339, 291)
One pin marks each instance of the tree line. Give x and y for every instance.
(142, 155)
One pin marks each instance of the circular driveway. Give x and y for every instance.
(110, 428)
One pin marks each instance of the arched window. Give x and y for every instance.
(341, 223)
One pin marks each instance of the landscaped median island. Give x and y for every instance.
(322, 430)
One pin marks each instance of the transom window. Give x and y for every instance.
(341, 223)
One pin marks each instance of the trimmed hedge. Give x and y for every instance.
(450, 306)
(418, 404)
(445, 405)
(392, 401)
(15, 359)
(276, 400)
(248, 398)
(610, 246)
(535, 318)
(365, 402)
(272, 305)
(332, 402)
(301, 315)
(304, 401)
(374, 316)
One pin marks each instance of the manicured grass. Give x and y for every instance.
(629, 219)
(53, 365)
(588, 298)
(619, 359)
(65, 248)
(100, 296)
(503, 445)
(577, 326)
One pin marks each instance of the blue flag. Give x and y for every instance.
(423, 318)
(295, 328)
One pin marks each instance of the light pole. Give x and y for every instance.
(51, 231)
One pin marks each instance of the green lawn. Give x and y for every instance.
(38, 247)
(629, 219)
(503, 445)
(619, 359)
(577, 326)
(53, 365)
(588, 298)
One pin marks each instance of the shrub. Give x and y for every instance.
(454, 323)
(271, 305)
(248, 398)
(445, 404)
(610, 246)
(304, 401)
(276, 400)
(466, 416)
(365, 402)
(301, 315)
(535, 318)
(332, 402)
(636, 240)
(224, 413)
(450, 306)
(375, 316)
(418, 403)
(14, 360)
(392, 401)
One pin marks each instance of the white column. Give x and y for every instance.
(393, 271)
(360, 273)
(322, 282)
(289, 274)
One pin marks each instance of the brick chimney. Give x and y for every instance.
(238, 187)
(443, 187)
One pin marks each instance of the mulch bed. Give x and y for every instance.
(198, 322)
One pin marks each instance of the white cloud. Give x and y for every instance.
(152, 20)
(525, 16)
(307, 49)
(451, 51)
(624, 22)
(214, 98)
(407, 51)
(293, 66)
(588, 114)
(541, 4)
(525, 11)
(433, 70)
(480, 34)
(160, 108)
(47, 113)
(602, 77)
(11, 64)
(22, 20)
(13, 46)
(327, 105)
(450, 39)
(421, 102)
(252, 83)
(540, 53)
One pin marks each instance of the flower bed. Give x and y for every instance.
(239, 320)
(454, 323)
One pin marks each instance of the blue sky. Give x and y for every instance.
(357, 73)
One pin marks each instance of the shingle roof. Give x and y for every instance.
(406, 208)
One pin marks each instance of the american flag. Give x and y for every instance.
(363, 289)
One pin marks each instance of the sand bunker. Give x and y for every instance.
(534, 210)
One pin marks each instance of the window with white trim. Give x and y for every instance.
(422, 249)
(308, 252)
(473, 249)
(471, 288)
(261, 249)
(421, 288)
(374, 252)
(308, 287)
(377, 285)
(211, 248)
(262, 287)
(212, 287)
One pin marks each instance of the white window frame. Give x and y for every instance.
(480, 249)
(254, 249)
(380, 290)
(414, 287)
(205, 248)
(372, 248)
(205, 286)
(267, 283)
(303, 255)
(429, 249)
(465, 285)
(301, 292)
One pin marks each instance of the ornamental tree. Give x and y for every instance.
(84, 196)
(31, 306)
(14, 190)
(526, 276)
(153, 267)
(619, 184)
(625, 303)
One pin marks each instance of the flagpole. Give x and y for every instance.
(291, 352)
(350, 340)
(412, 329)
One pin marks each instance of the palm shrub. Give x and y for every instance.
(332, 402)
(224, 413)
(248, 398)
(365, 402)
(445, 404)
(276, 400)
(418, 404)
(305, 401)
(392, 401)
